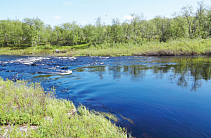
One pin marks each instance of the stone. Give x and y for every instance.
(66, 72)
(57, 51)
(64, 68)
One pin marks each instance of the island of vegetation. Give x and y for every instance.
(187, 32)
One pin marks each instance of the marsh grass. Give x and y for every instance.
(26, 110)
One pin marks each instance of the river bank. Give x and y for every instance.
(29, 111)
(184, 47)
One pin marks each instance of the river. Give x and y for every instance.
(151, 96)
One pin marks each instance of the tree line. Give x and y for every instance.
(188, 23)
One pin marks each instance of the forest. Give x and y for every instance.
(187, 23)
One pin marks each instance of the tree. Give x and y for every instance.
(187, 13)
(116, 30)
(201, 19)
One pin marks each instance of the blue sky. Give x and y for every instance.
(55, 12)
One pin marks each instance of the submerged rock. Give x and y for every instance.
(33, 64)
(67, 72)
(64, 67)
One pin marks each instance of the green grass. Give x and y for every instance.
(171, 48)
(27, 105)
(40, 49)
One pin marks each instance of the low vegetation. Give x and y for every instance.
(171, 48)
(27, 111)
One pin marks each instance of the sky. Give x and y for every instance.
(56, 12)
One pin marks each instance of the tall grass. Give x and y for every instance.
(171, 48)
(28, 106)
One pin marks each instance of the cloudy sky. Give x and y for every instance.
(55, 12)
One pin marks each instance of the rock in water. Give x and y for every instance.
(66, 72)
(65, 67)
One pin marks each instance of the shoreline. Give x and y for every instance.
(195, 47)
(29, 111)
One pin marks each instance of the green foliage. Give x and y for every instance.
(187, 23)
(185, 33)
(24, 105)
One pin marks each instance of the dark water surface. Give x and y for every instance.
(153, 97)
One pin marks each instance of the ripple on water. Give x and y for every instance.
(164, 97)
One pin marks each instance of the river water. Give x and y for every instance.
(151, 96)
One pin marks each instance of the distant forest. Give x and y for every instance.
(187, 23)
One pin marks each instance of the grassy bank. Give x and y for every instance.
(172, 48)
(27, 111)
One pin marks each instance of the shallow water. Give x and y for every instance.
(152, 96)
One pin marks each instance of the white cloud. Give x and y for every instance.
(57, 17)
(67, 3)
(128, 17)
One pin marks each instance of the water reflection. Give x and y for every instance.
(184, 70)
